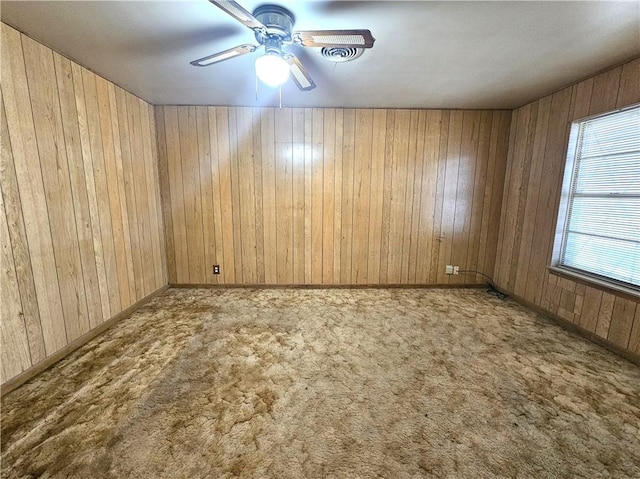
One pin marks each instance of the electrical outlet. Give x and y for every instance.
(216, 269)
(456, 270)
(448, 269)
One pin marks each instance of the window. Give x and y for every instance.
(598, 233)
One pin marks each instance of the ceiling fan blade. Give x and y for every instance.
(236, 11)
(334, 38)
(299, 74)
(225, 55)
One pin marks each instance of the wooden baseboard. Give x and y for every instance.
(46, 363)
(625, 353)
(324, 286)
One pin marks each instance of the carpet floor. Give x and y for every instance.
(320, 383)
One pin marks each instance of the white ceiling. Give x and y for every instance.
(427, 54)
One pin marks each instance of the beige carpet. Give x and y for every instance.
(328, 383)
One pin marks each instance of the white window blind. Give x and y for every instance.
(601, 231)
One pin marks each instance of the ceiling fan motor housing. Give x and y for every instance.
(278, 20)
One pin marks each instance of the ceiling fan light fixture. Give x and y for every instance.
(272, 69)
(272, 27)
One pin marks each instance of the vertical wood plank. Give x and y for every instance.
(348, 161)
(152, 200)
(298, 198)
(443, 140)
(634, 337)
(528, 145)
(479, 206)
(206, 194)
(590, 309)
(258, 195)
(328, 193)
(377, 194)
(219, 253)
(622, 322)
(246, 193)
(317, 196)
(452, 164)
(398, 180)
(165, 194)
(124, 211)
(426, 229)
(502, 144)
(605, 91)
(528, 278)
(164, 279)
(464, 193)
(15, 345)
(505, 205)
(192, 196)
(19, 246)
(308, 195)
(629, 90)
(284, 190)
(337, 184)
(410, 183)
(226, 201)
(604, 315)
(512, 203)
(235, 194)
(94, 214)
(362, 196)
(177, 196)
(267, 131)
(97, 179)
(113, 189)
(487, 195)
(71, 129)
(141, 192)
(45, 105)
(582, 100)
(416, 204)
(124, 162)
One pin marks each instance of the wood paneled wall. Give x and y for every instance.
(537, 152)
(274, 196)
(330, 196)
(80, 224)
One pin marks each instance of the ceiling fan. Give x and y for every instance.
(272, 26)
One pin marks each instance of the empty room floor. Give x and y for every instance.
(315, 383)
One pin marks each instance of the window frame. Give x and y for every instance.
(562, 220)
